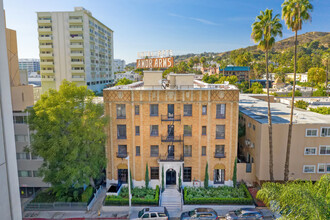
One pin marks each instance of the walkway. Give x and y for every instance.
(171, 199)
(99, 200)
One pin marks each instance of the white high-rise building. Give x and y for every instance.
(74, 46)
(30, 65)
(119, 65)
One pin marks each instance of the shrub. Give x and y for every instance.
(206, 178)
(301, 104)
(87, 194)
(146, 178)
(321, 91)
(140, 196)
(321, 110)
(296, 93)
(217, 195)
(235, 173)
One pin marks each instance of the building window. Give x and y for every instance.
(137, 150)
(311, 132)
(187, 174)
(254, 127)
(204, 109)
(203, 150)
(36, 173)
(36, 157)
(220, 132)
(154, 173)
(137, 130)
(154, 110)
(137, 109)
(122, 151)
(20, 119)
(324, 150)
(187, 150)
(219, 176)
(323, 168)
(309, 169)
(219, 150)
(187, 110)
(121, 131)
(203, 130)
(221, 111)
(325, 132)
(249, 125)
(122, 175)
(22, 138)
(24, 173)
(121, 111)
(23, 156)
(187, 130)
(153, 130)
(154, 150)
(310, 151)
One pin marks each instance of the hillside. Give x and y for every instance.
(322, 37)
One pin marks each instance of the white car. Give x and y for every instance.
(154, 213)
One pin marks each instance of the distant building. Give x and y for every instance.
(182, 125)
(242, 72)
(301, 77)
(31, 65)
(118, 65)
(128, 75)
(74, 46)
(310, 147)
(263, 82)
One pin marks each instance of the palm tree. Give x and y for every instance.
(294, 12)
(264, 30)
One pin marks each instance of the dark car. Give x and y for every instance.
(200, 213)
(245, 213)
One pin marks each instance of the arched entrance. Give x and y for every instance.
(170, 177)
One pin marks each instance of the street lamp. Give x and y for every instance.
(129, 188)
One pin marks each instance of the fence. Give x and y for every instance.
(56, 206)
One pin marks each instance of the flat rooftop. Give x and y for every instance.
(197, 85)
(258, 110)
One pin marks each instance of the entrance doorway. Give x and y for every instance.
(170, 177)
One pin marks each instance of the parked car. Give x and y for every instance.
(245, 213)
(154, 213)
(200, 213)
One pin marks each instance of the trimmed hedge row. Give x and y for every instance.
(220, 201)
(117, 200)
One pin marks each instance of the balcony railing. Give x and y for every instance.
(170, 117)
(167, 158)
(219, 155)
(172, 139)
(122, 154)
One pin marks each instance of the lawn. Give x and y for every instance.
(217, 195)
(140, 196)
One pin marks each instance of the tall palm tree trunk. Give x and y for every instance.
(270, 130)
(288, 148)
(326, 80)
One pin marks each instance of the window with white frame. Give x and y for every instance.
(325, 132)
(310, 151)
(309, 169)
(324, 150)
(323, 168)
(311, 132)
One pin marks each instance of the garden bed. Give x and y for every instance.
(140, 196)
(223, 195)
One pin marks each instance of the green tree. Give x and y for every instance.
(304, 63)
(206, 178)
(316, 76)
(202, 60)
(301, 104)
(294, 12)
(264, 30)
(183, 67)
(146, 178)
(325, 61)
(124, 81)
(298, 199)
(235, 173)
(70, 137)
(131, 181)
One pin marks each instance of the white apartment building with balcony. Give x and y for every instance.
(74, 46)
(119, 65)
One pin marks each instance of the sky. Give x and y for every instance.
(183, 26)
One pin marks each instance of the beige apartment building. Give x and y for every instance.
(178, 125)
(310, 149)
(22, 98)
(74, 46)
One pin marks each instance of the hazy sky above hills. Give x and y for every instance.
(184, 26)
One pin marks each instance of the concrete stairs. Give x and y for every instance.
(171, 199)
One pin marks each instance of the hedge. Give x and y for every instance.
(117, 200)
(220, 201)
(87, 194)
